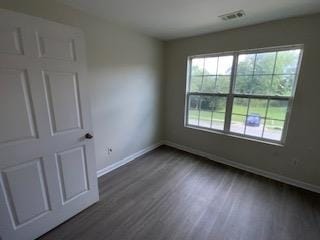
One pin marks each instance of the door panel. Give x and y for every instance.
(70, 163)
(17, 121)
(62, 93)
(26, 191)
(47, 167)
(10, 41)
(50, 46)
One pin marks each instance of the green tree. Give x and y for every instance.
(255, 73)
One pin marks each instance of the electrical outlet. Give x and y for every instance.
(295, 161)
(109, 150)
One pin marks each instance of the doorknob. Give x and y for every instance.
(88, 136)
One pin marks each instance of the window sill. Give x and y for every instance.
(278, 144)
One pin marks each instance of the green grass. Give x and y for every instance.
(278, 113)
(273, 113)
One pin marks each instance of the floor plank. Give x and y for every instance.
(170, 194)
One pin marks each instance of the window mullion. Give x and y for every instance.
(230, 96)
(287, 117)
(265, 117)
(187, 109)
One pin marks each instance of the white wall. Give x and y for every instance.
(299, 159)
(124, 78)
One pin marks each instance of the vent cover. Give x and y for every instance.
(232, 15)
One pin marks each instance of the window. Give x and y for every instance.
(244, 93)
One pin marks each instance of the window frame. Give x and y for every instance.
(231, 95)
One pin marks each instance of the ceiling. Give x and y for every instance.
(169, 19)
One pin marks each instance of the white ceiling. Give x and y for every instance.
(169, 19)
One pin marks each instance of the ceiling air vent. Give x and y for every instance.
(233, 15)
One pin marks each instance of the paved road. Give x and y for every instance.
(239, 128)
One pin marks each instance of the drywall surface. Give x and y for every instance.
(299, 159)
(124, 79)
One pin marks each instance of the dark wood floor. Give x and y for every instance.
(169, 194)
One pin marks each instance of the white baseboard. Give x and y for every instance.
(215, 158)
(257, 171)
(126, 160)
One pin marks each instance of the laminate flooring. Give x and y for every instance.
(170, 194)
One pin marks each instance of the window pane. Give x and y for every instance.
(213, 84)
(245, 64)
(261, 84)
(254, 126)
(206, 108)
(265, 63)
(196, 83)
(208, 85)
(197, 66)
(205, 118)
(243, 84)
(193, 110)
(259, 78)
(222, 84)
(211, 114)
(225, 65)
(218, 120)
(237, 123)
(240, 106)
(287, 61)
(210, 66)
(219, 104)
(257, 84)
(258, 107)
(274, 73)
(277, 109)
(282, 85)
(273, 129)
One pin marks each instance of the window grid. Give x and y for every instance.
(199, 104)
(216, 77)
(231, 95)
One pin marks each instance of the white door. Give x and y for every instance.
(47, 165)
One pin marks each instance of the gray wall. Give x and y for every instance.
(302, 144)
(125, 73)
(124, 78)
